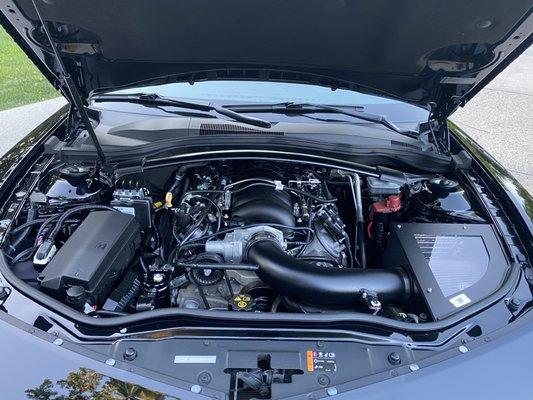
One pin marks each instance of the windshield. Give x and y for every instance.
(241, 92)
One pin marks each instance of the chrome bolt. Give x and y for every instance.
(414, 367)
(463, 349)
(123, 330)
(110, 361)
(130, 354)
(332, 391)
(196, 389)
(394, 358)
(58, 342)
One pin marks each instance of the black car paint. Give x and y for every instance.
(460, 366)
(36, 344)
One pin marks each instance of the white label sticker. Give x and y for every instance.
(195, 359)
(125, 210)
(460, 300)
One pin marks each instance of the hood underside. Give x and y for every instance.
(423, 52)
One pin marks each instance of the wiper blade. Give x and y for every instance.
(294, 107)
(152, 99)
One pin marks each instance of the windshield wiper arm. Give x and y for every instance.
(312, 108)
(152, 99)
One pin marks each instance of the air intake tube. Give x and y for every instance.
(318, 285)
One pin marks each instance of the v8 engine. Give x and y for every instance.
(255, 236)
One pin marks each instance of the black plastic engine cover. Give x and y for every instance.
(94, 256)
(262, 204)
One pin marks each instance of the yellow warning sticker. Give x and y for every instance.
(310, 366)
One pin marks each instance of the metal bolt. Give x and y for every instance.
(58, 342)
(513, 304)
(375, 303)
(394, 358)
(158, 278)
(464, 227)
(206, 342)
(204, 378)
(110, 361)
(130, 354)
(414, 367)
(323, 380)
(399, 226)
(123, 330)
(331, 391)
(429, 290)
(319, 344)
(196, 389)
(463, 349)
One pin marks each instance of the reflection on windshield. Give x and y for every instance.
(262, 92)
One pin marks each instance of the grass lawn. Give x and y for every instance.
(20, 81)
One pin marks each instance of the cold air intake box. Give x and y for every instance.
(94, 256)
(454, 265)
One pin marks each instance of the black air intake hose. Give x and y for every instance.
(320, 285)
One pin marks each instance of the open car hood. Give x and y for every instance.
(431, 53)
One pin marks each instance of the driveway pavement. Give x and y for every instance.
(500, 118)
(18, 122)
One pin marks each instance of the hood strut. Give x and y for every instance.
(75, 97)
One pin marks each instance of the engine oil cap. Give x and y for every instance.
(242, 302)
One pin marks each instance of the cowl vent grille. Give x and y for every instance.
(230, 129)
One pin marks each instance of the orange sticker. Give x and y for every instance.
(310, 367)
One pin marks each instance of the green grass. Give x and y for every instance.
(20, 81)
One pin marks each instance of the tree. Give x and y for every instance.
(45, 391)
(86, 384)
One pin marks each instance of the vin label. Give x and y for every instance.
(321, 361)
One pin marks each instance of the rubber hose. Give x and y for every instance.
(320, 285)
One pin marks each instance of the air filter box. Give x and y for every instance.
(454, 265)
(94, 256)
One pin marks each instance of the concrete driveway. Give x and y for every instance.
(499, 118)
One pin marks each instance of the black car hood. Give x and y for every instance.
(424, 52)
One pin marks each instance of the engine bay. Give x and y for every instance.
(256, 236)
